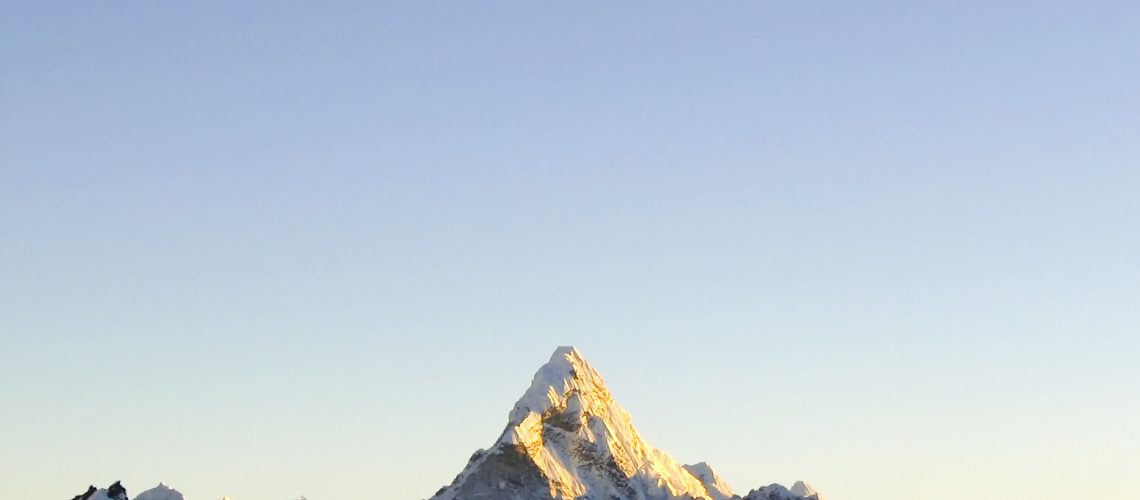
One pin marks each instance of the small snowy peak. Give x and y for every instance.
(805, 490)
(771, 492)
(114, 492)
(799, 491)
(160, 492)
(717, 488)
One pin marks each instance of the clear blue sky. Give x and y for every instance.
(267, 249)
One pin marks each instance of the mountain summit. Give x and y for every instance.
(118, 492)
(567, 438)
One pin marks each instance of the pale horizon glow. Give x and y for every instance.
(272, 249)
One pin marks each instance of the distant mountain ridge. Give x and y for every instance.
(567, 438)
(117, 492)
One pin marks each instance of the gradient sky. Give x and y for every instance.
(267, 249)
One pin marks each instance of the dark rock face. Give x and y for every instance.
(117, 491)
(503, 473)
(114, 492)
(84, 496)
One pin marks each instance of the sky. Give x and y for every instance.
(272, 249)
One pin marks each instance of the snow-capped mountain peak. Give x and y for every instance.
(717, 488)
(114, 492)
(160, 492)
(799, 491)
(805, 490)
(567, 373)
(567, 438)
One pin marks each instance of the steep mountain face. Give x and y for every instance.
(567, 438)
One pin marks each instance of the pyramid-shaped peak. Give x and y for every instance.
(565, 350)
(567, 374)
(568, 439)
(563, 360)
